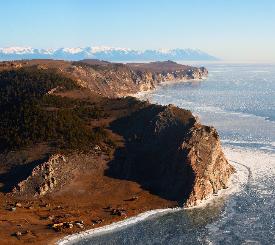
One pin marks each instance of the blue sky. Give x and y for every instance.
(239, 30)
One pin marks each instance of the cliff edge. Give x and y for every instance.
(170, 154)
(114, 79)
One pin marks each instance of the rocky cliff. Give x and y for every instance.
(203, 153)
(115, 79)
(110, 79)
(170, 154)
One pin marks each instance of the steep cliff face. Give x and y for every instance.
(205, 156)
(113, 80)
(170, 154)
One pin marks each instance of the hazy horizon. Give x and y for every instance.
(230, 30)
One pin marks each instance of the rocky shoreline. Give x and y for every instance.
(115, 79)
(152, 156)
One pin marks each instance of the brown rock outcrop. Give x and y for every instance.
(206, 158)
(43, 178)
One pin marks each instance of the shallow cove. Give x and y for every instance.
(239, 100)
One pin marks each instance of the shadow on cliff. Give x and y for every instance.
(152, 155)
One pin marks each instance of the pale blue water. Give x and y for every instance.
(239, 100)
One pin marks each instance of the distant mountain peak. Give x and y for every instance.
(104, 53)
(14, 50)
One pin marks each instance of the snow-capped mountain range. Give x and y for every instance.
(103, 53)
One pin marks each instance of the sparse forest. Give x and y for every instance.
(28, 114)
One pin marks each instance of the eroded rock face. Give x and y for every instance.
(171, 155)
(117, 80)
(206, 158)
(43, 178)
